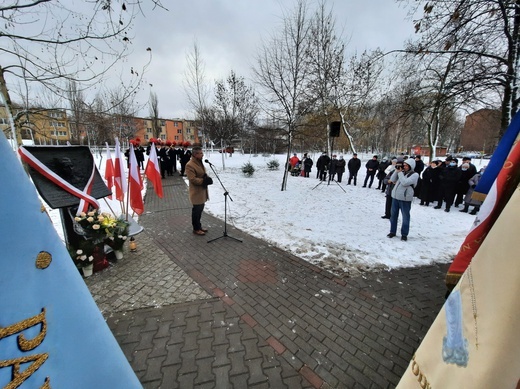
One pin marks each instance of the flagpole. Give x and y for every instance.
(108, 204)
(128, 192)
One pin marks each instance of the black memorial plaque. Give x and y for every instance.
(72, 163)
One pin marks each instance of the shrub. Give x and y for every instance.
(273, 164)
(248, 169)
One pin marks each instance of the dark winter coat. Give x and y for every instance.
(354, 164)
(340, 166)
(430, 185)
(419, 166)
(371, 166)
(323, 162)
(381, 170)
(449, 177)
(307, 164)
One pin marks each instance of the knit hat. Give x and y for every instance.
(411, 163)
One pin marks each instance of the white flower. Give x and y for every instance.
(96, 227)
(90, 219)
(91, 213)
(91, 258)
(82, 214)
(83, 257)
(101, 218)
(77, 218)
(79, 252)
(111, 238)
(124, 238)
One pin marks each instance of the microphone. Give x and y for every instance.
(210, 164)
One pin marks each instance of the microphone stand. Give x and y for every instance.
(226, 195)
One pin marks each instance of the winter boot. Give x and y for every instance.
(465, 209)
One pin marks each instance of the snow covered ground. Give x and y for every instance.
(338, 226)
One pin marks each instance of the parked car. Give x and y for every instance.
(487, 156)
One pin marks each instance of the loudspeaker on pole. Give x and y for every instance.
(334, 129)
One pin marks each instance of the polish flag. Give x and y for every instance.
(136, 184)
(109, 170)
(153, 172)
(119, 174)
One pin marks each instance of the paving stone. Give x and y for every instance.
(189, 314)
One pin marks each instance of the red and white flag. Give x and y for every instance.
(136, 184)
(109, 170)
(119, 174)
(497, 198)
(153, 172)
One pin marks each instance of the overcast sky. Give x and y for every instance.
(229, 33)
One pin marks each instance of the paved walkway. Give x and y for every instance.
(226, 314)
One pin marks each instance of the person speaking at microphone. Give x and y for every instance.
(198, 188)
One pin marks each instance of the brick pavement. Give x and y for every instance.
(249, 315)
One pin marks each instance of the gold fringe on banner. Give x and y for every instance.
(451, 280)
(478, 196)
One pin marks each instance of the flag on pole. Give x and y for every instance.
(136, 184)
(119, 174)
(153, 172)
(497, 161)
(52, 334)
(109, 170)
(490, 210)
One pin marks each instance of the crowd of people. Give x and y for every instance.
(169, 155)
(441, 183)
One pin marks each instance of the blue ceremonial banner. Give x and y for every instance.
(51, 331)
(497, 161)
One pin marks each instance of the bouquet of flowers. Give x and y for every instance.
(117, 234)
(83, 255)
(95, 225)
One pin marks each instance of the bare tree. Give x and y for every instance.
(325, 61)
(354, 90)
(485, 35)
(196, 88)
(281, 72)
(50, 43)
(235, 108)
(154, 115)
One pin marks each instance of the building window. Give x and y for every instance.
(163, 123)
(176, 137)
(188, 131)
(149, 130)
(56, 124)
(179, 131)
(175, 124)
(56, 115)
(4, 121)
(145, 137)
(163, 137)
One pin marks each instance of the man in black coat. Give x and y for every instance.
(185, 157)
(449, 177)
(354, 164)
(371, 166)
(322, 164)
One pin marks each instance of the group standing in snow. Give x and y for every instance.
(401, 179)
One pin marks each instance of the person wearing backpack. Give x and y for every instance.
(405, 180)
